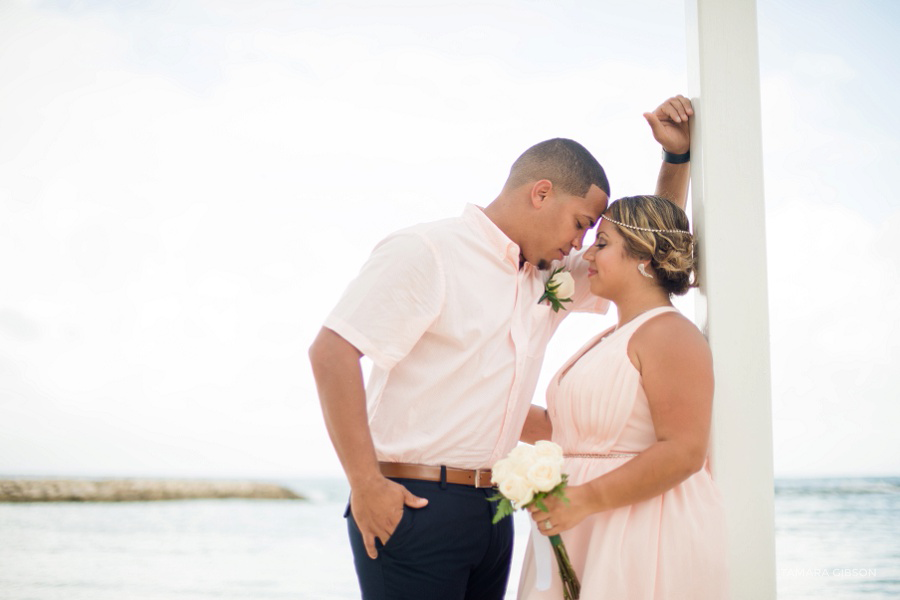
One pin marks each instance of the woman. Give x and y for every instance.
(632, 411)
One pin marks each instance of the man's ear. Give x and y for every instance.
(540, 191)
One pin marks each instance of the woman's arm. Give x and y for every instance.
(537, 425)
(676, 369)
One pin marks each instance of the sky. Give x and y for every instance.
(187, 187)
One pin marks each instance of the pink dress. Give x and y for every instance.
(669, 547)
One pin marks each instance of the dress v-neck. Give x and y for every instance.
(605, 335)
(595, 341)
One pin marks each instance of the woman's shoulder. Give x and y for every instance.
(666, 334)
(667, 322)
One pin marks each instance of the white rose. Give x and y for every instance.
(566, 284)
(549, 450)
(518, 490)
(501, 470)
(545, 474)
(522, 457)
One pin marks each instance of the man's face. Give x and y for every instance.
(561, 224)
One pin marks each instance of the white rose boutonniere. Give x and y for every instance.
(559, 288)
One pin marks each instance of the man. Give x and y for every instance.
(448, 312)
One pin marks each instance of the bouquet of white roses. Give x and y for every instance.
(527, 476)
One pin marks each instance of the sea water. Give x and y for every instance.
(835, 539)
(838, 538)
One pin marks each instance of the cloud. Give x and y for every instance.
(834, 339)
(188, 187)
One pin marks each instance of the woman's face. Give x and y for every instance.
(611, 269)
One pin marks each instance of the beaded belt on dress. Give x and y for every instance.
(612, 455)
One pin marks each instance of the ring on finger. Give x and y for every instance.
(548, 525)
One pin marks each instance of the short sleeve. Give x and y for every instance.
(397, 295)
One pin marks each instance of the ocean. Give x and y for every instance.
(835, 539)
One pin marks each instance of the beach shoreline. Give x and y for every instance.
(137, 490)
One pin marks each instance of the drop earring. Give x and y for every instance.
(643, 271)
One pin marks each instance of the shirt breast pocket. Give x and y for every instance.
(543, 322)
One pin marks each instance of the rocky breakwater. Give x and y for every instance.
(135, 490)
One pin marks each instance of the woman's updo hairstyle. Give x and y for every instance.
(671, 250)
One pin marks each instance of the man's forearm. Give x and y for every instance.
(670, 123)
(339, 380)
(537, 425)
(673, 181)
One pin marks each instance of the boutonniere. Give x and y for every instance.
(559, 288)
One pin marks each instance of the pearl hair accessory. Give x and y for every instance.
(645, 228)
(644, 271)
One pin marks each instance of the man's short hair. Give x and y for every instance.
(565, 163)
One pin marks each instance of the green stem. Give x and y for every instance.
(571, 585)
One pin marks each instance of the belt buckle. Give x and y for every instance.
(478, 478)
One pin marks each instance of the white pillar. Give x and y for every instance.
(729, 218)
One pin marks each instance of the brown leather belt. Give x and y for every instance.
(480, 478)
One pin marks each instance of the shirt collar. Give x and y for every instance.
(505, 248)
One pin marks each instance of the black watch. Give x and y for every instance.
(676, 159)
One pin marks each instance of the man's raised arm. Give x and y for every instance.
(670, 123)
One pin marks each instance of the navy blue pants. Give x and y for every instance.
(448, 550)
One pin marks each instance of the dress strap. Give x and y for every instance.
(646, 316)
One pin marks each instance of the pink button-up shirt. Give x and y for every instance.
(456, 336)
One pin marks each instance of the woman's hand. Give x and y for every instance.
(561, 514)
(670, 123)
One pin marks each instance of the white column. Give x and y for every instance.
(729, 218)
